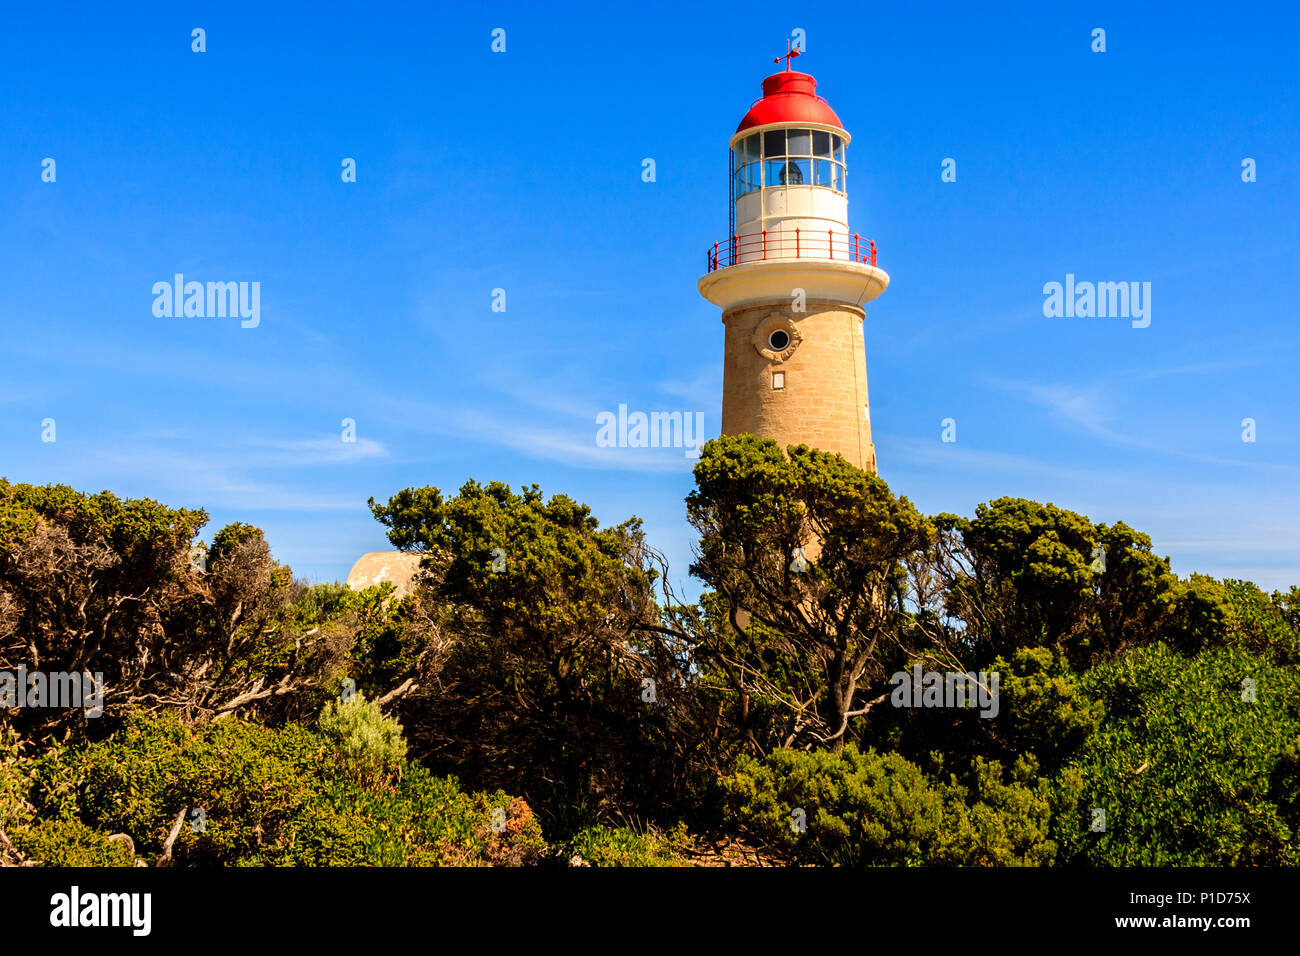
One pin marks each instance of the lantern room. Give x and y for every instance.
(789, 205)
(789, 179)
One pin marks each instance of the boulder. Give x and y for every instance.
(398, 567)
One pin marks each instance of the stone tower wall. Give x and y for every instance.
(824, 400)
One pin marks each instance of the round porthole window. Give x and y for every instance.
(775, 337)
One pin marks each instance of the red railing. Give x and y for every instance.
(791, 244)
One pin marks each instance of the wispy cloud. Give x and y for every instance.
(547, 422)
(219, 473)
(315, 451)
(701, 392)
(211, 479)
(574, 445)
(1091, 408)
(963, 459)
(1202, 368)
(1085, 407)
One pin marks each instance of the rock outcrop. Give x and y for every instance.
(399, 567)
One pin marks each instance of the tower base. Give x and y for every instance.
(811, 392)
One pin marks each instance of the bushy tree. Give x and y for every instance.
(558, 675)
(808, 557)
(1024, 574)
(85, 585)
(99, 584)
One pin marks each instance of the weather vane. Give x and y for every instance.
(791, 52)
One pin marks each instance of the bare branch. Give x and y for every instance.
(166, 858)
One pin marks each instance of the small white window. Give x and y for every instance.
(778, 380)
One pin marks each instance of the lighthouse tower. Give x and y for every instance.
(791, 279)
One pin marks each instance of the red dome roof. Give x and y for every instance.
(789, 97)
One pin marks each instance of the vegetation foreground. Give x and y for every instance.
(544, 698)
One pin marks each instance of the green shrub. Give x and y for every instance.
(1183, 767)
(869, 808)
(70, 843)
(369, 742)
(621, 846)
(1045, 712)
(1284, 788)
(269, 797)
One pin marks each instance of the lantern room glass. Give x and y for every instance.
(777, 158)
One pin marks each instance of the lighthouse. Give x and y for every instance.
(792, 280)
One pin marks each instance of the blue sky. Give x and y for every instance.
(522, 171)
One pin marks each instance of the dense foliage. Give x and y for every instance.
(545, 661)
(557, 641)
(248, 795)
(857, 808)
